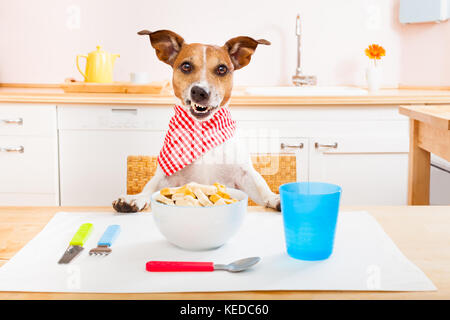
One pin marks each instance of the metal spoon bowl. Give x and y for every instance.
(238, 265)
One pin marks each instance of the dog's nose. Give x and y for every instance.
(199, 95)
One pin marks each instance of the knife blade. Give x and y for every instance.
(77, 242)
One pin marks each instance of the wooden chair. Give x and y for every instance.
(276, 169)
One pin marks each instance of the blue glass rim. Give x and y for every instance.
(288, 188)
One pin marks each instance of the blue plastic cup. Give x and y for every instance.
(310, 211)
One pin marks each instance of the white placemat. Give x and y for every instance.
(364, 258)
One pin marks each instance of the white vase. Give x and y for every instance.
(373, 77)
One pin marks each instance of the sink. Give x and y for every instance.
(305, 91)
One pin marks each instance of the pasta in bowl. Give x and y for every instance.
(199, 225)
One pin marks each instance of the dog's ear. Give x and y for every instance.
(167, 44)
(241, 49)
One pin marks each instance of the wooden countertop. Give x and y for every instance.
(421, 233)
(54, 94)
(436, 116)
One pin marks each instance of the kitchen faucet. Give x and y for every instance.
(299, 79)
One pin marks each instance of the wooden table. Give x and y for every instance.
(429, 132)
(421, 233)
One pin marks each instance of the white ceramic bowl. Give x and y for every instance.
(200, 228)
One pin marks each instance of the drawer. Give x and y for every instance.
(29, 119)
(354, 145)
(30, 166)
(289, 128)
(123, 117)
(313, 113)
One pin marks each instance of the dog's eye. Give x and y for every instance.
(186, 67)
(221, 70)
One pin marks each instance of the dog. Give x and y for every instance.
(202, 83)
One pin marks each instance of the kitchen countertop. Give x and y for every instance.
(420, 232)
(54, 94)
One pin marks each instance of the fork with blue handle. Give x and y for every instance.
(106, 241)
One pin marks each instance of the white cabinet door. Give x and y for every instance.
(28, 171)
(93, 163)
(27, 119)
(272, 144)
(28, 165)
(370, 170)
(300, 148)
(28, 155)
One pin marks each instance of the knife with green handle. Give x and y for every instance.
(77, 242)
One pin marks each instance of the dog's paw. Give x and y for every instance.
(274, 202)
(130, 203)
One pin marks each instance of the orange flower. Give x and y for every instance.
(375, 51)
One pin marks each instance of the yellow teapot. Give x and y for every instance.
(99, 66)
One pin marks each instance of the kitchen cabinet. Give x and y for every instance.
(28, 155)
(75, 154)
(364, 150)
(300, 148)
(370, 170)
(369, 160)
(271, 144)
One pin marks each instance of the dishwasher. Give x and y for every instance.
(95, 142)
(439, 181)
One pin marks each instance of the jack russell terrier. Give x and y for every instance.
(201, 144)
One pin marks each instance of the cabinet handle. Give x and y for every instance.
(19, 149)
(18, 121)
(285, 146)
(318, 145)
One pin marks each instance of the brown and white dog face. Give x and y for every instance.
(202, 74)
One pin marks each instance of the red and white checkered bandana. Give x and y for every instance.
(187, 138)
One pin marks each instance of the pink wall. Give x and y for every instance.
(40, 39)
(425, 54)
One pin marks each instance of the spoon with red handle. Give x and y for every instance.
(186, 266)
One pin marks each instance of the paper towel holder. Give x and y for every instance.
(420, 11)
